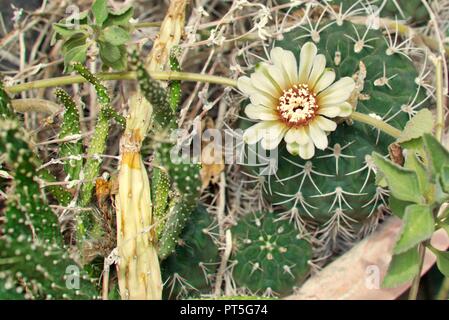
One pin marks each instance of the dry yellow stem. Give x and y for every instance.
(170, 34)
(138, 268)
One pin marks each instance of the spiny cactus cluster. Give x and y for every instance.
(336, 187)
(189, 271)
(34, 264)
(269, 254)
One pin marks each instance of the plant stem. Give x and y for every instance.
(147, 24)
(415, 284)
(439, 125)
(443, 293)
(379, 124)
(172, 75)
(127, 75)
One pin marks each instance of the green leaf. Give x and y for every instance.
(108, 52)
(77, 40)
(116, 35)
(119, 18)
(421, 123)
(403, 267)
(419, 225)
(403, 183)
(64, 30)
(100, 11)
(436, 152)
(444, 178)
(397, 206)
(76, 54)
(413, 163)
(442, 261)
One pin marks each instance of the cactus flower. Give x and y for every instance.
(295, 104)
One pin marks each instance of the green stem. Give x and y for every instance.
(379, 124)
(147, 24)
(173, 75)
(443, 293)
(413, 294)
(439, 126)
(127, 75)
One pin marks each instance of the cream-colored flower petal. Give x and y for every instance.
(345, 109)
(325, 124)
(325, 81)
(285, 60)
(330, 112)
(337, 93)
(260, 112)
(279, 76)
(319, 64)
(273, 136)
(259, 98)
(318, 136)
(256, 132)
(244, 84)
(307, 56)
(298, 135)
(293, 148)
(263, 83)
(307, 151)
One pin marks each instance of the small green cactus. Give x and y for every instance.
(160, 191)
(188, 271)
(269, 254)
(26, 209)
(70, 126)
(33, 264)
(175, 85)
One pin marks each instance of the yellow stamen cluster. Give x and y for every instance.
(298, 105)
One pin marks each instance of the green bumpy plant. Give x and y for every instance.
(71, 151)
(33, 263)
(183, 173)
(338, 183)
(269, 254)
(189, 269)
(99, 27)
(58, 192)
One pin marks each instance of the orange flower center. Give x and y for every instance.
(298, 105)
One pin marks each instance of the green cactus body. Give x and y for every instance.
(6, 111)
(411, 10)
(160, 189)
(185, 179)
(42, 271)
(26, 209)
(97, 144)
(174, 87)
(163, 115)
(338, 183)
(269, 254)
(32, 263)
(70, 126)
(187, 272)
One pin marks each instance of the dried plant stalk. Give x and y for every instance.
(170, 34)
(138, 268)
